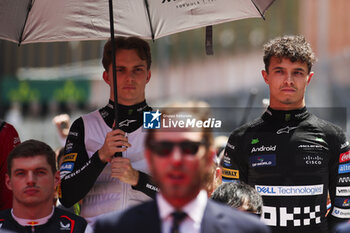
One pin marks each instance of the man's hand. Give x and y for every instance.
(122, 169)
(62, 123)
(115, 141)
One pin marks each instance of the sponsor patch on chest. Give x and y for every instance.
(263, 160)
(263, 148)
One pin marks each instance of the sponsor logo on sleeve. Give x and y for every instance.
(227, 160)
(309, 190)
(230, 146)
(230, 173)
(75, 134)
(343, 191)
(70, 157)
(344, 157)
(342, 202)
(341, 213)
(65, 175)
(263, 160)
(344, 180)
(69, 146)
(152, 187)
(344, 145)
(344, 168)
(67, 167)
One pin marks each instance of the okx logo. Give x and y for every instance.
(151, 120)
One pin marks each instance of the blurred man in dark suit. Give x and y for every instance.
(179, 160)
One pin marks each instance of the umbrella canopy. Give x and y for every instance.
(30, 21)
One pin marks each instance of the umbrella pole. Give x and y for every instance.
(149, 18)
(114, 65)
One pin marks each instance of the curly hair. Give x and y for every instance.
(294, 48)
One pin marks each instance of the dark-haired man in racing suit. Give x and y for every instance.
(33, 178)
(89, 170)
(291, 157)
(59, 221)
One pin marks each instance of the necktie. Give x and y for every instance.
(178, 216)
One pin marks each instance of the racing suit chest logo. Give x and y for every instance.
(264, 148)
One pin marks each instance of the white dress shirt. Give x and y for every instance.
(194, 210)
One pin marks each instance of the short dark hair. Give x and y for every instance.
(294, 48)
(32, 148)
(235, 194)
(131, 43)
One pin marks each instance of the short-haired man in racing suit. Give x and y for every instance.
(291, 157)
(33, 178)
(89, 170)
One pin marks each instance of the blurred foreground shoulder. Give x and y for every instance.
(343, 228)
(225, 218)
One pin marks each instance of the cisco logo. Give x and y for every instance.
(313, 160)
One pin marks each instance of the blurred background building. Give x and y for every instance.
(39, 81)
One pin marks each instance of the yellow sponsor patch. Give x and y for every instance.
(70, 157)
(230, 173)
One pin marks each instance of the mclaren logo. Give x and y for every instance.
(285, 130)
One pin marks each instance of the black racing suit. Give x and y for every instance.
(61, 222)
(293, 159)
(82, 167)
